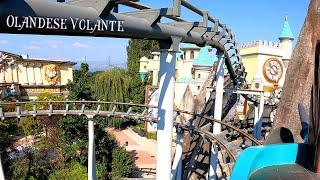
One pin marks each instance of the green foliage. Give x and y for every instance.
(74, 138)
(63, 152)
(136, 49)
(121, 163)
(30, 126)
(75, 171)
(80, 87)
(152, 136)
(32, 166)
(111, 85)
(45, 97)
(136, 90)
(8, 129)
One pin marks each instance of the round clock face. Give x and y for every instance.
(51, 74)
(273, 70)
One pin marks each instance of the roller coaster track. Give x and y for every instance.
(145, 23)
(53, 108)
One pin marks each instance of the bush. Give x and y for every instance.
(122, 163)
(74, 172)
(30, 126)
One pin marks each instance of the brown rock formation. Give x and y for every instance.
(300, 74)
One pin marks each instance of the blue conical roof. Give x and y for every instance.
(286, 32)
(205, 57)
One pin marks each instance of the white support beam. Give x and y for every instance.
(1, 170)
(217, 112)
(91, 151)
(165, 113)
(258, 124)
(242, 91)
(177, 163)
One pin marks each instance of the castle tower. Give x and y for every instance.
(286, 42)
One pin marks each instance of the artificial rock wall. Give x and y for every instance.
(300, 74)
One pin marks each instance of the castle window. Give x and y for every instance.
(198, 87)
(199, 75)
(257, 85)
(192, 55)
(145, 67)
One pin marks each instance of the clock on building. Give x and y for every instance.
(51, 74)
(273, 70)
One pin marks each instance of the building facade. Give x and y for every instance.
(265, 62)
(193, 65)
(33, 76)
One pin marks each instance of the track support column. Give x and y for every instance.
(258, 122)
(217, 112)
(165, 107)
(91, 154)
(177, 163)
(1, 170)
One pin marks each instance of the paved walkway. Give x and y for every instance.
(143, 150)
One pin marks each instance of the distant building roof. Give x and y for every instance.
(205, 57)
(188, 80)
(144, 59)
(189, 46)
(28, 59)
(286, 32)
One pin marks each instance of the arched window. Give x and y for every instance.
(192, 55)
(199, 75)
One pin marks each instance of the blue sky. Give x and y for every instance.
(248, 19)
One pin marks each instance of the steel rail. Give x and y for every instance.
(135, 116)
(110, 114)
(223, 123)
(134, 27)
(78, 102)
(100, 112)
(211, 137)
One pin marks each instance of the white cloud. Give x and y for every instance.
(54, 44)
(80, 45)
(31, 47)
(3, 42)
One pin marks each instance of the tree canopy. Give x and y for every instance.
(136, 49)
(80, 87)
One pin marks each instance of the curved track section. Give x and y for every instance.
(144, 22)
(65, 108)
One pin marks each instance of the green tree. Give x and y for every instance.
(75, 171)
(121, 163)
(112, 85)
(136, 49)
(33, 166)
(8, 129)
(33, 126)
(30, 126)
(80, 87)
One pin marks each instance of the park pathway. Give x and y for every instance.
(143, 150)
